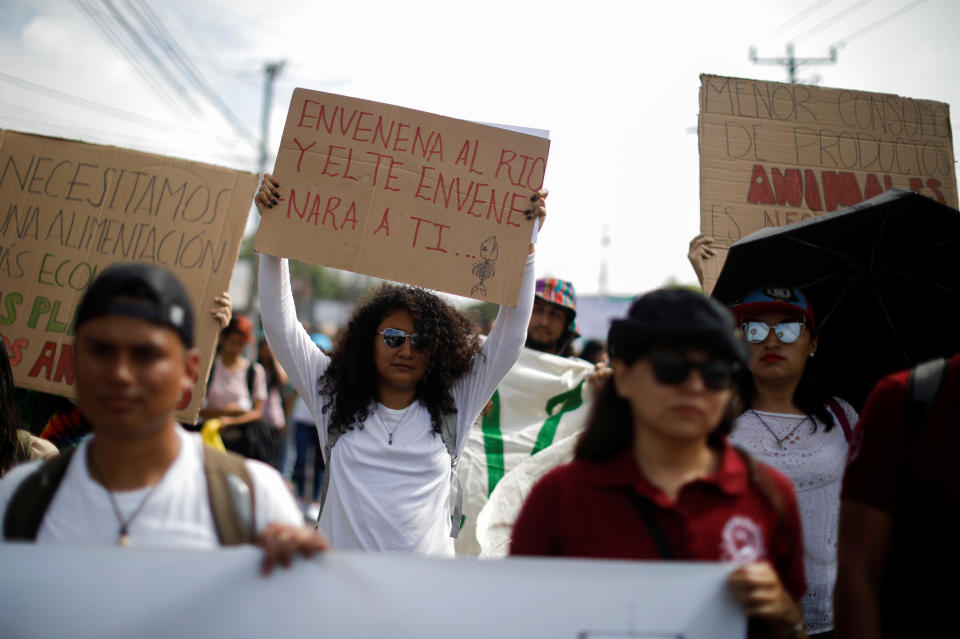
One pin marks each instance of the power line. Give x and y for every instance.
(54, 57)
(800, 16)
(176, 53)
(879, 23)
(104, 109)
(51, 125)
(125, 51)
(121, 20)
(271, 70)
(830, 20)
(87, 104)
(136, 27)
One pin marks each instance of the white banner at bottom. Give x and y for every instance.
(79, 592)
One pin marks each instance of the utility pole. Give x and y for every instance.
(271, 70)
(792, 62)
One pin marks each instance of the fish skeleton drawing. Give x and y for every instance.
(484, 269)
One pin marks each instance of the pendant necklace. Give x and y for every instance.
(123, 537)
(780, 440)
(399, 423)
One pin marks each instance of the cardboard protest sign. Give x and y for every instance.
(542, 400)
(404, 195)
(772, 154)
(69, 209)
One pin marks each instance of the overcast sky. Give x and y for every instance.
(615, 83)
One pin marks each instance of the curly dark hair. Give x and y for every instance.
(350, 381)
(12, 451)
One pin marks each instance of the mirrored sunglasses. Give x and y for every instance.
(395, 337)
(755, 331)
(674, 368)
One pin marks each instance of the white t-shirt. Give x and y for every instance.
(814, 462)
(382, 496)
(176, 515)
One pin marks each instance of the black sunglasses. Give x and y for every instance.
(395, 337)
(674, 368)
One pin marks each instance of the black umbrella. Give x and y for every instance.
(883, 278)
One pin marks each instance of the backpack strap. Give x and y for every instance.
(923, 386)
(448, 433)
(841, 416)
(25, 442)
(213, 367)
(325, 482)
(29, 503)
(664, 547)
(251, 376)
(230, 489)
(228, 484)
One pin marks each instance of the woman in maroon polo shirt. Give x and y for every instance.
(654, 476)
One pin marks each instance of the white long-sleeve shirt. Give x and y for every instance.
(389, 497)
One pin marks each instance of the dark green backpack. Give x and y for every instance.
(228, 484)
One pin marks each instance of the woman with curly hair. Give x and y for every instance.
(394, 403)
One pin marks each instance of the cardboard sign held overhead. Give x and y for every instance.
(772, 154)
(70, 209)
(404, 195)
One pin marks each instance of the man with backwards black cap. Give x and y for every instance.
(142, 480)
(654, 477)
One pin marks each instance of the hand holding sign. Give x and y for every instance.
(698, 253)
(404, 195)
(269, 194)
(539, 209)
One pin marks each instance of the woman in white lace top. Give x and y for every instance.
(792, 425)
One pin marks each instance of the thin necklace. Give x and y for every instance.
(123, 537)
(383, 422)
(780, 440)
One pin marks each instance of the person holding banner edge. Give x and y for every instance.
(395, 402)
(654, 476)
(142, 480)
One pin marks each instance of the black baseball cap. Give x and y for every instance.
(677, 318)
(135, 289)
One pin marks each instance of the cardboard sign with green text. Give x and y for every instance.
(404, 195)
(70, 209)
(772, 154)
